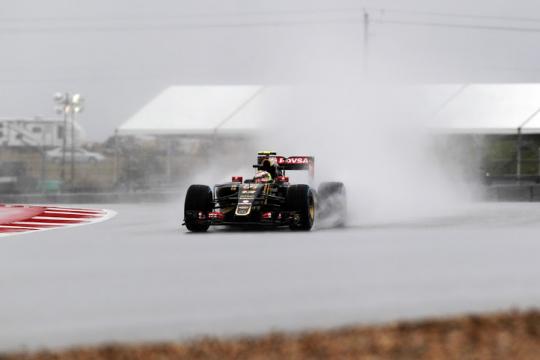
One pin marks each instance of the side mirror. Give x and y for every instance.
(237, 179)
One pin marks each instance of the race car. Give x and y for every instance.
(267, 199)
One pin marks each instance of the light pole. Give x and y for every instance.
(62, 107)
(366, 42)
(68, 105)
(77, 103)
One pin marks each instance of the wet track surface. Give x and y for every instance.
(138, 277)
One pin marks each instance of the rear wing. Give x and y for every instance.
(295, 162)
(288, 163)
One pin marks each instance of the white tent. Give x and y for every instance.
(198, 111)
(489, 108)
(239, 109)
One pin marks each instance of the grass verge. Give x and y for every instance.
(510, 335)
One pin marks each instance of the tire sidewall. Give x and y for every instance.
(301, 200)
(198, 198)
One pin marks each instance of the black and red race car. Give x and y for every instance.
(268, 199)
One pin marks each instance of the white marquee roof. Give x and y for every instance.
(489, 108)
(198, 110)
(237, 109)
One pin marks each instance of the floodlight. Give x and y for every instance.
(59, 97)
(77, 99)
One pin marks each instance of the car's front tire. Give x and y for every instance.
(301, 202)
(198, 199)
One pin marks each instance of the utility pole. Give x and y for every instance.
(43, 159)
(518, 155)
(62, 102)
(519, 144)
(116, 158)
(169, 155)
(77, 105)
(366, 42)
(72, 148)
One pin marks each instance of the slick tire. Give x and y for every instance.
(332, 202)
(301, 201)
(198, 198)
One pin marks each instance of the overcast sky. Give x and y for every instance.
(120, 54)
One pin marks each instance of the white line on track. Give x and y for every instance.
(69, 213)
(17, 227)
(53, 218)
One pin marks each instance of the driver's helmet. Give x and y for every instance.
(262, 177)
(268, 165)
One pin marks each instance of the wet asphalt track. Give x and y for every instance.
(137, 277)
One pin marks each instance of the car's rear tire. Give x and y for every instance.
(198, 199)
(301, 202)
(332, 202)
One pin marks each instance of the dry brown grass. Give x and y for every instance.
(514, 335)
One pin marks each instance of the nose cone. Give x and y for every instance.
(246, 196)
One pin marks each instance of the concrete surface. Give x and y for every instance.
(139, 276)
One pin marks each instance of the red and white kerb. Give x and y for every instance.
(18, 219)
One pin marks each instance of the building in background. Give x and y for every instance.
(36, 132)
(499, 124)
(491, 128)
(199, 111)
(31, 158)
(184, 127)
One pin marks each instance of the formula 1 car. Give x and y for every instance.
(269, 199)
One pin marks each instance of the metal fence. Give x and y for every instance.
(129, 165)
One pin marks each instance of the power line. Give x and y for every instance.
(352, 19)
(348, 11)
(458, 26)
(184, 26)
(456, 15)
(194, 26)
(181, 16)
